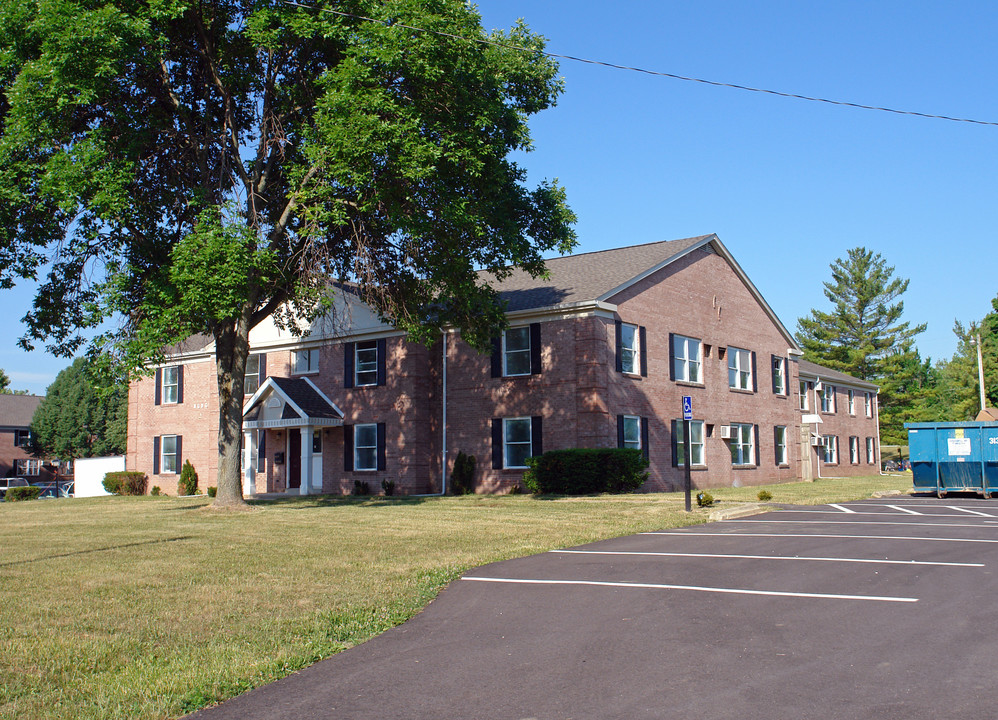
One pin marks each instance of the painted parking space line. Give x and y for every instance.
(875, 561)
(840, 508)
(857, 522)
(972, 512)
(694, 588)
(816, 535)
(904, 510)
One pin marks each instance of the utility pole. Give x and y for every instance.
(980, 369)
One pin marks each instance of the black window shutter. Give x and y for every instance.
(757, 448)
(497, 357)
(643, 350)
(644, 437)
(263, 367)
(155, 454)
(180, 452)
(535, 348)
(261, 448)
(382, 360)
(675, 445)
(620, 431)
(348, 358)
(496, 443)
(536, 436)
(755, 375)
(159, 385)
(180, 384)
(672, 356)
(348, 448)
(382, 451)
(617, 327)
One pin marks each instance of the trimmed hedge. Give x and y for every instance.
(126, 482)
(586, 471)
(22, 492)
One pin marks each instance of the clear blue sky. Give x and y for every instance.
(788, 185)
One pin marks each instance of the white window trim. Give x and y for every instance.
(735, 357)
(357, 350)
(830, 447)
(805, 403)
(506, 443)
(505, 351)
(736, 442)
(828, 399)
(853, 450)
(27, 465)
(635, 444)
(357, 447)
(175, 385)
(694, 446)
(870, 457)
(635, 350)
(296, 369)
(163, 454)
(785, 455)
(683, 360)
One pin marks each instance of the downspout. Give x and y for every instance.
(443, 415)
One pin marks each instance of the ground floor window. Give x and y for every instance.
(869, 451)
(630, 432)
(27, 466)
(696, 444)
(780, 440)
(830, 449)
(854, 450)
(365, 446)
(516, 442)
(742, 444)
(166, 454)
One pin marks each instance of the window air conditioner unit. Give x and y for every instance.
(816, 441)
(725, 432)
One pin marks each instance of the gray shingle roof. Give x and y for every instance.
(16, 411)
(815, 370)
(587, 276)
(302, 394)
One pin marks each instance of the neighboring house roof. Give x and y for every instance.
(823, 373)
(16, 411)
(987, 415)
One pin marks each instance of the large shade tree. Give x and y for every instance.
(198, 167)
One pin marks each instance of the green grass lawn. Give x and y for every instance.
(153, 607)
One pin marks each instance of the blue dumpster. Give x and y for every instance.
(954, 457)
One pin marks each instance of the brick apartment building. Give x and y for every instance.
(16, 459)
(598, 355)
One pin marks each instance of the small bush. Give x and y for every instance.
(16, 494)
(388, 486)
(586, 471)
(188, 484)
(360, 487)
(462, 478)
(704, 499)
(155, 490)
(212, 491)
(126, 482)
(765, 495)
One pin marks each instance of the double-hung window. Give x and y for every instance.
(305, 361)
(780, 441)
(27, 467)
(830, 447)
(168, 454)
(828, 399)
(171, 385)
(869, 451)
(742, 444)
(686, 362)
(22, 438)
(804, 404)
(629, 349)
(251, 383)
(517, 445)
(630, 435)
(696, 443)
(366, 363)
(854, 450)
(739, 369)
(852, 401)
(365, 446)
(516, 351)
(779, 375)
(868, 403)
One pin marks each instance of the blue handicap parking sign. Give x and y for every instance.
(687, 407)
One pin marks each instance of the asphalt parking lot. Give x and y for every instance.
(873, 609)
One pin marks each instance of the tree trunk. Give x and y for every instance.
(231, 351)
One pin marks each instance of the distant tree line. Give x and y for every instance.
(864, 335)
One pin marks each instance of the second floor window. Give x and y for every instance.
(804, 404)
(305, 361)
(852, 402)
(629, 349)
(366, 363)
(868, 403)
(739, 369)
(686, 359)
(516, 351)
(828, 399)
(251, 383)
(779, 375)
(22, 438)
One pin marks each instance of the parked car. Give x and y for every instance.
(55, 488)
(7, 483)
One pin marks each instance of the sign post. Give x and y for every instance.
(687, 447)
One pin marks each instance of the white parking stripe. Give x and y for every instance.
(696, 588)
(877, 561)
(815, 535)
(904, 510)
(972, 512)
(857, 522)
(841, 509)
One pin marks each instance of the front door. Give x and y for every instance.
(294, 458)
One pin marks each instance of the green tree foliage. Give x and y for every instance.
(4, 383)
(863, 335)
(957, 395)
(864, 327)
(78, 418)
(212, 164)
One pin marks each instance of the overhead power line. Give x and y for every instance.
(655, 73)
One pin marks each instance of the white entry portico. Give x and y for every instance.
(298, 407)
